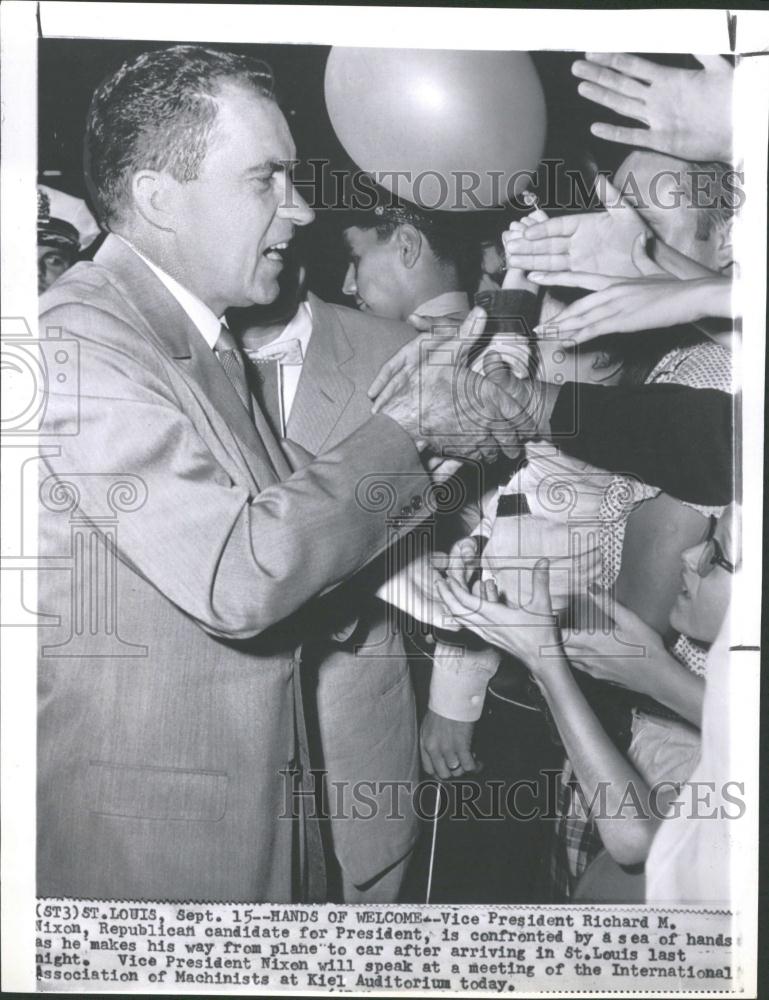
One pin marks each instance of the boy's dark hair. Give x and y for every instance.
(446, 236)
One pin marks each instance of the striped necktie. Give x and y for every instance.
(231, 358)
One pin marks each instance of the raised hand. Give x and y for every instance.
(525, 632)
(516, 277)
(687, 113)
(656, 673)
(595, 651)
(644, 265)
(463, 560)
(588, 243)
(643, 304)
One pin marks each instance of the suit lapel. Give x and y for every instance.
(324, 389)
(177, 336)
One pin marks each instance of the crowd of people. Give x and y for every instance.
(296, 615)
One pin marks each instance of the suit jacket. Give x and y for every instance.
(181, 571)
(363, 694)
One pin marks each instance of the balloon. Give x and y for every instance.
(444, 129)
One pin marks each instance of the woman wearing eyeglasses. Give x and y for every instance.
(669, 678)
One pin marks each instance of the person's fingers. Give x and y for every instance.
(630, 107)
(489, 591)
(389, 389)
(462, 562)
(427, 761)
(622, 616)
(642, 137)
(440, 560)
(641, 69)
(440, 765)
(457, 600)
(561, 226)
(572, 279)
(518, 245)
(576, 320)
(466, 760)
(534, 218)
(386, 372)
(497, 369)
(590, 330)
(576, 309)
(537, 262)
(608, 79)
(540, 588)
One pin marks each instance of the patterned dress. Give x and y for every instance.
(576, 837)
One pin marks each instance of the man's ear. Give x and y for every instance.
(604, 367)
(154, 195)
(724, 249)
(409, 242)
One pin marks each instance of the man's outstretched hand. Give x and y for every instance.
(430, 390)
(687, 112)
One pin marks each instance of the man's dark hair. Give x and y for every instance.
(446, 236)
(156, 113)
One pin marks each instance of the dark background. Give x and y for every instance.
(70, 70)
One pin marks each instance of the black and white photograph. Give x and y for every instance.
(383, 481)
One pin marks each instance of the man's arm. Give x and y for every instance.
(675, 437)
(235, 560)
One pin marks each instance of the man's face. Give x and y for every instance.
(374, 275)
(232, 224)
(666, 202)
(51, 264)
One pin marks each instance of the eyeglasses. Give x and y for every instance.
(713, 554)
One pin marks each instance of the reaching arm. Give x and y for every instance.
(601, 769)
(671, 436)
(236, 559)
(624, 818)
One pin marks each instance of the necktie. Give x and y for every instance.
(265, 384)
(265, 370)
(231, 358)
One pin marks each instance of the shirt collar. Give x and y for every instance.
(446, 304)
(204, 320)
(298, 328)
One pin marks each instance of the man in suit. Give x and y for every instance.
(182, 553)
(359, 697)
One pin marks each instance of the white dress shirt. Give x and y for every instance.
(299, 328)
(209, 327)
(202, 317)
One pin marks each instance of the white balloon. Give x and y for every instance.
(452, 130)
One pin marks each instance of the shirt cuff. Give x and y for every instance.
(458, 682)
